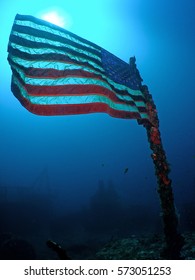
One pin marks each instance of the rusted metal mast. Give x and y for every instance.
(174, 240)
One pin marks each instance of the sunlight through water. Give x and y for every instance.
(56, 16)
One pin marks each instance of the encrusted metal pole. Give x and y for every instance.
(174, 240)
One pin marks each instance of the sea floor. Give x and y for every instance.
(134, 247)
(144, 248)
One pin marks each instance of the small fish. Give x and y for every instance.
(126, 170)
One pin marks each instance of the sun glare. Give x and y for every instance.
(53, 17)
(57, 17)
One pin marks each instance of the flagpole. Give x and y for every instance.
(174, 240)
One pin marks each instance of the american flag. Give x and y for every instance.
(55, 72)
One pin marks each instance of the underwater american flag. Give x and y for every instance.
(55, 72)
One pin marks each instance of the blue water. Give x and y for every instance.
(63, 177)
